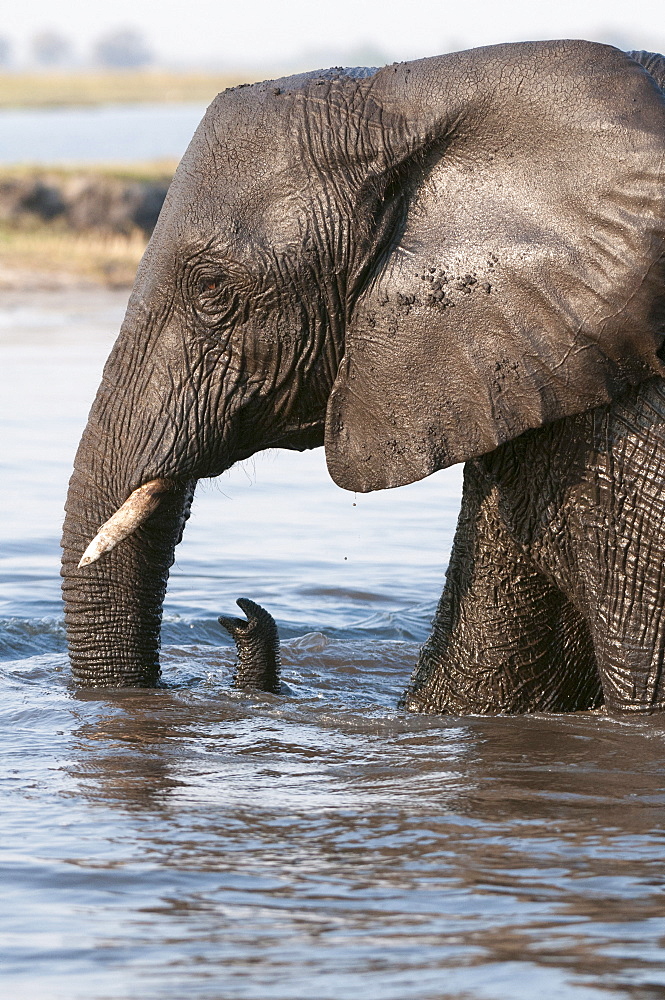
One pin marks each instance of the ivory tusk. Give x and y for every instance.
(134, 511)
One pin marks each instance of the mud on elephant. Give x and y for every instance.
(455, 259)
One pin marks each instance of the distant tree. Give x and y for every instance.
(5, 51)
(50, 48)
(122, 48)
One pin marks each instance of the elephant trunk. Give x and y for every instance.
(257, 642)
(113, 607)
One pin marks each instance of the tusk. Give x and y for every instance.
(134, 511)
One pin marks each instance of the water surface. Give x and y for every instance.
(105, 133)
(194, 841)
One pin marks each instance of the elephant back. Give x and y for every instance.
(653, 63)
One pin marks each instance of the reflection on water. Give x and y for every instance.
(197, 841)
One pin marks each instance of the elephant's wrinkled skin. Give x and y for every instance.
(456, 259)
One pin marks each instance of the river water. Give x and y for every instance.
(107, 133)
(195, 841)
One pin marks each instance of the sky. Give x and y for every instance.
(279, 34)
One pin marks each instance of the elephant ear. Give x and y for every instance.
(523, 280)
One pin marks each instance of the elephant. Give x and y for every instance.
(456, 259)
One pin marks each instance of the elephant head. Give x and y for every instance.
(411, 266)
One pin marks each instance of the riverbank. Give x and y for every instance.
(59, 89)
(45, 260)
(74, 227)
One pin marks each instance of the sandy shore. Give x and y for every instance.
(18, 279)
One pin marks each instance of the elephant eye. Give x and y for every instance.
(209, 285)
(216, 292)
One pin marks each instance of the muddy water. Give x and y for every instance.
(194, 841)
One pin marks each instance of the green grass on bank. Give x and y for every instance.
(57, 89)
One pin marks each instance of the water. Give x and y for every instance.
(105, 133)
(194, 841)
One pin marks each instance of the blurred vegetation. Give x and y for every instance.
(67, 225)
(58, 88)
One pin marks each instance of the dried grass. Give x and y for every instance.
(54, 89)
(152, 171)
(42, 257)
